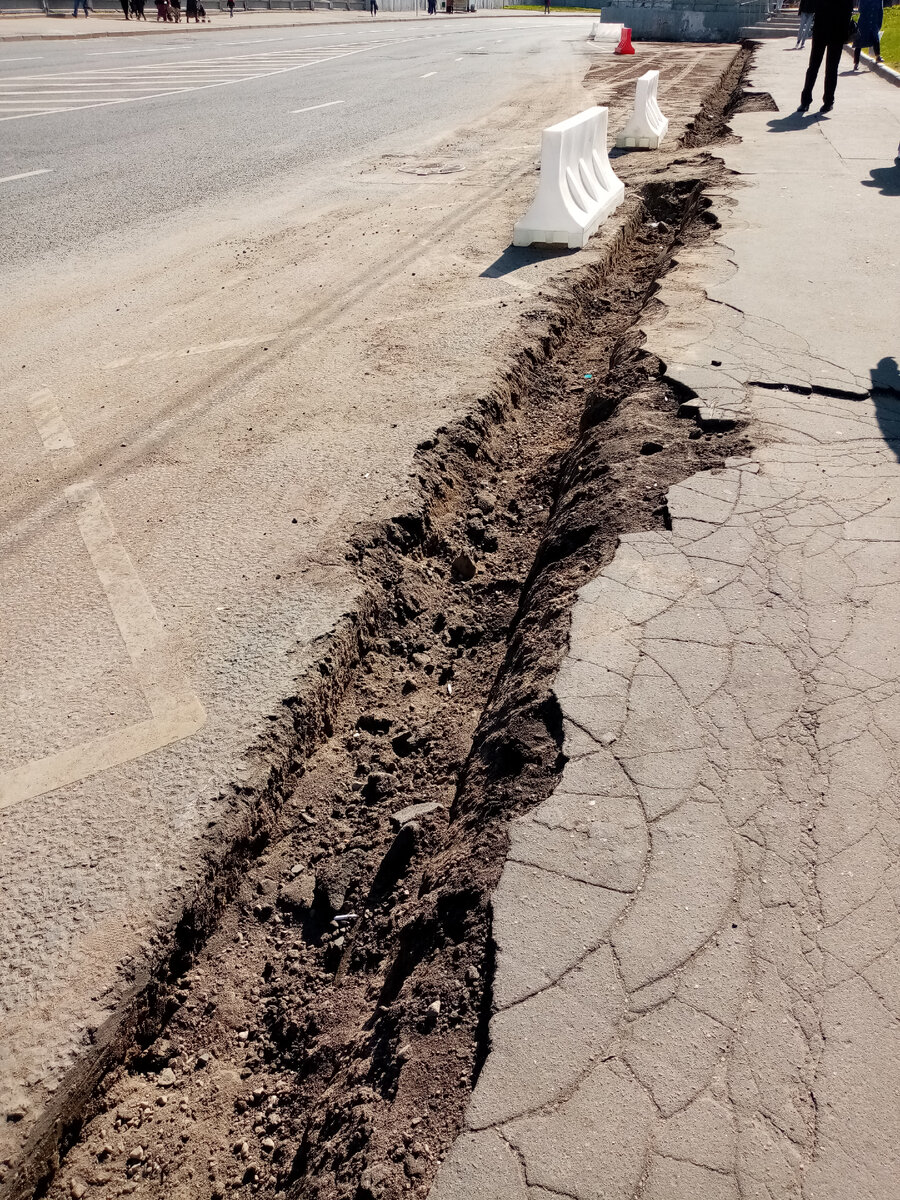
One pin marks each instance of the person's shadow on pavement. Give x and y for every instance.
(886, 398)
(792, 122)
(886, 179)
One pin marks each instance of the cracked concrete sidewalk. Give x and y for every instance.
(698, 967)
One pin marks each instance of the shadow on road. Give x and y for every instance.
(514, 258)
(886, 179)
(886, 398)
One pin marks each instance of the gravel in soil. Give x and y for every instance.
(325, 1041)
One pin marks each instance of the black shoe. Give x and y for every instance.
(804, 107)
(826, 108)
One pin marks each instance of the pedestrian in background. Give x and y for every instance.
(831, 29)
(868, 29)
(124, 4)
(807, 11)
(190, 10)
(373, 7)
(84, 3)
(231, 8)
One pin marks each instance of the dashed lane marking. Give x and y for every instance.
(50, 422)
(27, 174)
(428, 74)
(313, 107)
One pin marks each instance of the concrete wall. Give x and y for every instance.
(686, 20)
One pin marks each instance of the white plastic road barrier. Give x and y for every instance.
(578, 188)
(605, 31)
(647, 126)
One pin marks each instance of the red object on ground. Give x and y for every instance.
(624, 46)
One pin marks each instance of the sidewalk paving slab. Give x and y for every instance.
(698, 963)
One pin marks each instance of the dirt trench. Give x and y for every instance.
(325, 1040)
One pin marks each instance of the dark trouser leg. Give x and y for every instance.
(876, 45)
(857, 48)
(832, 62)
(816, 54)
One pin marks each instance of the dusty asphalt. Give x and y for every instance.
(228, 325)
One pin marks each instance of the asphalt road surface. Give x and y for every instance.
(98, 138)
(244, 277)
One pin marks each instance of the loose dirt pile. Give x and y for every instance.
(325, 1041)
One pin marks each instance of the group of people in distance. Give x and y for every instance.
(170, 10)
(832, 25)
(166, 10)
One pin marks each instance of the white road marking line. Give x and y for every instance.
(428, 74)
(102, 53)
(50, 422)
(198, 87)
(176, 711)
(457, 60)
(313, 107)
(25, 58)
(27, 174)
(202, 348)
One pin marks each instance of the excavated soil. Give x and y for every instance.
(325, 1040)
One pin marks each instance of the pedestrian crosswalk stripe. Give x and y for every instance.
(67, 91)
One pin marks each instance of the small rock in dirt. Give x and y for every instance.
(415, 1167)
(463, 567)
(333, 880)
(298, 894)
(263, 911)
(136, 1155)
(414, 812)
(372, 1180)
(203, 1059)
(607, 739)
(409, 685)
(166, 1077)
(77, 1187)
(404, 1053)
(161, 1053)
(397, 857)
(434, 1008)
(267, 1145)
(378, 786)
(485, 501)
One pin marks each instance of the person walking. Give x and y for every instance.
(373, 7)
(807, 11)
(82, 2)
(868, 29)
(231, 8)
(831, 28)
(190, 10)
(124, 4)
